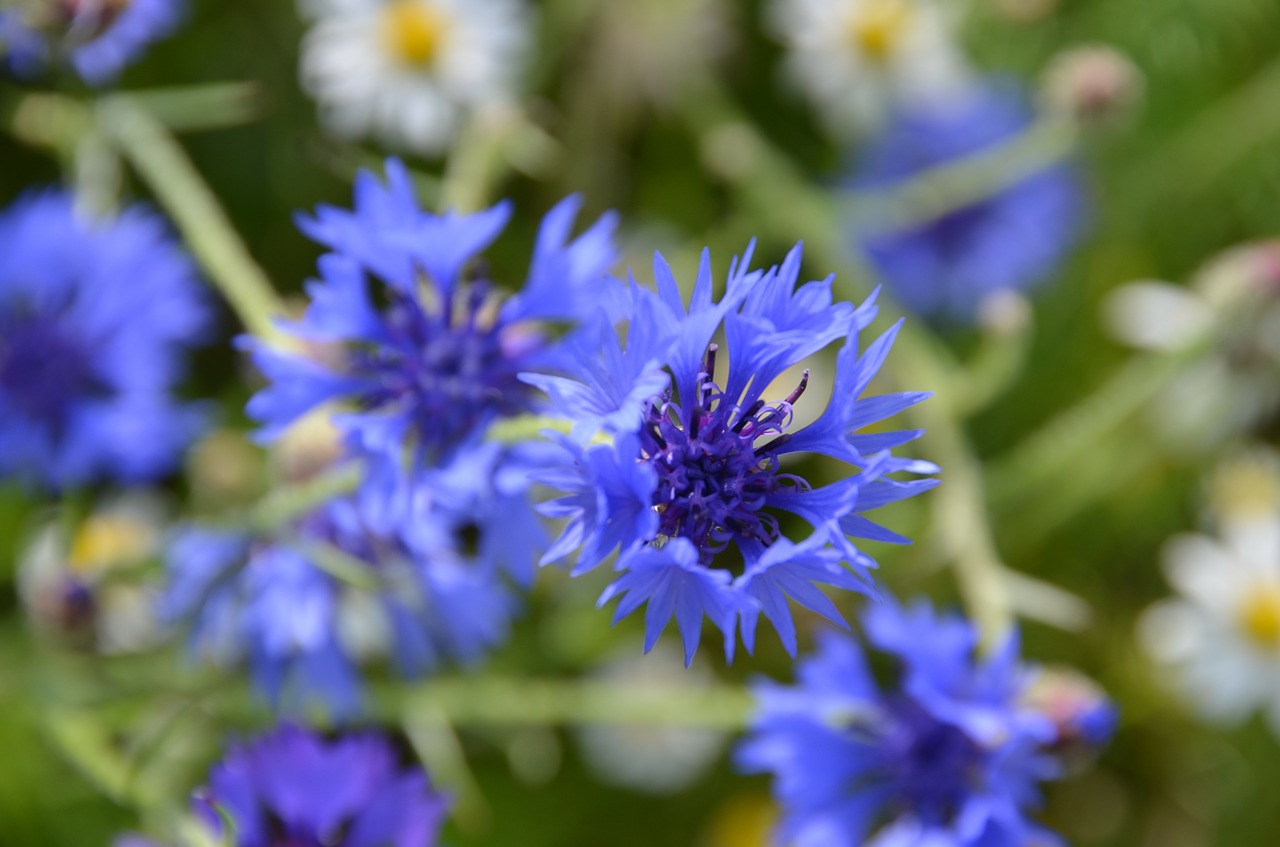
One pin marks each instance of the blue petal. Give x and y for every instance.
(673, 583)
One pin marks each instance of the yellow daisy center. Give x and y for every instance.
(103, 542)
(1260, 616)
(876, 28)
(1245, 489)
(414, 31)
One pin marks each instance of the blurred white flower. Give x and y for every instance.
(1227, 322)
(1153, 315)
(1221, 638)
(857, 58)
(653, 759)
(406, 71)
(71, 585)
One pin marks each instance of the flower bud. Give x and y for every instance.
(1093, 85)
(1077, 706)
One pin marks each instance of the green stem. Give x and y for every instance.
(963, 526)
(478, 161)
(286, 503)
(524, 427)
(341, 565)
(955, 185)
(515, 701)
(197, 108)
(1068, 439)
(1000, 359)
(161, 161)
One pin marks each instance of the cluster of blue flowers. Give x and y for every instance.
(422, 354)
(677, 460)
(417, 594)
(96, 38)
(950, 753)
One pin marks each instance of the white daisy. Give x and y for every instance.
(1221, 638)
(407, 70)
(856, 58)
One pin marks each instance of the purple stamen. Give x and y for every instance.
(713, 482)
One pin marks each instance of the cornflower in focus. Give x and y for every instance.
(690, 483)
(947, 754)
(98, 38)
(429, 358)
(95, 319)
(1013, 236)
(858, 59)
(421, 585)
(1220, 640)
(292, 788)
(407, 71)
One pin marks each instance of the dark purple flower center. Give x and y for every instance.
(717, 464)
(955, 233)
(44, 370)
(931, 767)
(451, 371)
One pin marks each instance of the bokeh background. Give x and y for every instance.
(673, 112)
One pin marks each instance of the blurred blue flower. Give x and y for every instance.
(690, 483)
(23, 51)
(431, 356)
(292, 788)
(98, 38)
(95, 317)
(422, 584)
(1011, 239)
(948, 755)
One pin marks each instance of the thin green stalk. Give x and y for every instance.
(161, 161)
(478, 161)
(1000, 359)
(341, 565)
(98, 174)
(963, 523)
(197, 108)
(289, 502)
(515, 701)
(955, 185)
(1068, 439)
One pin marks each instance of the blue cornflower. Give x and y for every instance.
(98, 38)
(689, 481)
(95, 319)
(423, 583)
(431, 356)
(293, 788)
(947, 755)
(1011, 239)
